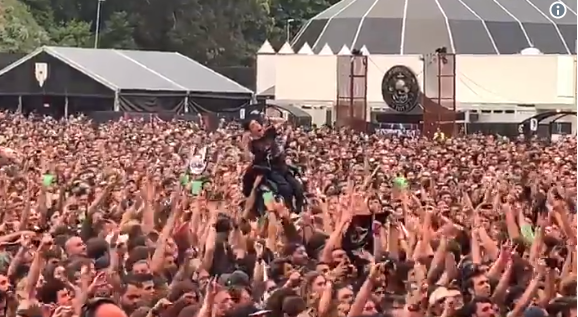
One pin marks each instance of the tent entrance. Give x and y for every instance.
(44, 105)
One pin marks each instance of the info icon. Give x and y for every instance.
(558, 10)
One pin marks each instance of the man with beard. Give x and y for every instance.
(477, 282)
(132, 295)
(479, 307)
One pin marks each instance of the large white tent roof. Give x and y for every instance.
(462, 26)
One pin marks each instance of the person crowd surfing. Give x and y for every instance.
(106, 220)
(268, 153)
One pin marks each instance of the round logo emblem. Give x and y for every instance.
(400, 89)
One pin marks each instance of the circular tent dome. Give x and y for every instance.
(422, 26)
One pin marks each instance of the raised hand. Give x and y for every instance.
(46, 242)
(294, 279)
(376, 271)
(63, 311)
(338, 272)
(161, 306)
(541, 268)
(149, 190)
(211, 290)
(506, 252)
(25, 241)
(259, 249)
(280, 209)
(449, 306)
(543, 220)
(99, 280)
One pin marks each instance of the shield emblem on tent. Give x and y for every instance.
(41, 73)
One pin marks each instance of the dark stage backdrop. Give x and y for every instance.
(9, 58)
(61, 80)
(104, 116)
(246, 76)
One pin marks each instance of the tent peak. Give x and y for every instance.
(326, 50)
(266, 48)
(344, 50)
(305, 50)
(286, 49)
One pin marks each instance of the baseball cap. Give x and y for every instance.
(237, 278)
(534, 311)
(441, 293)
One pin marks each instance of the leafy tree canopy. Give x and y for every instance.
(214, 32)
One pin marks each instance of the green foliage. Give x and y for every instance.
(73, 33)
(300, 11)
(19, 31)
(117, 32)
(215, 32)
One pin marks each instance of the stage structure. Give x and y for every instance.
(541, 125)
(503, 62)
(439, 94)
(63, 80)
(351, 106)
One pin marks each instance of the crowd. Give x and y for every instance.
(104, 220)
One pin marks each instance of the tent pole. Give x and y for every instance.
(66, 107)
(186, 110)
(19, 104)
(116, 105)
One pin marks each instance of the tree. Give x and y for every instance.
(117, 32)
(74, 33)
(300, 11)
(19, 32)
(214, 32)
(41, 11)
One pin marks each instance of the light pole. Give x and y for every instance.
(288, 29)
(97, 31)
